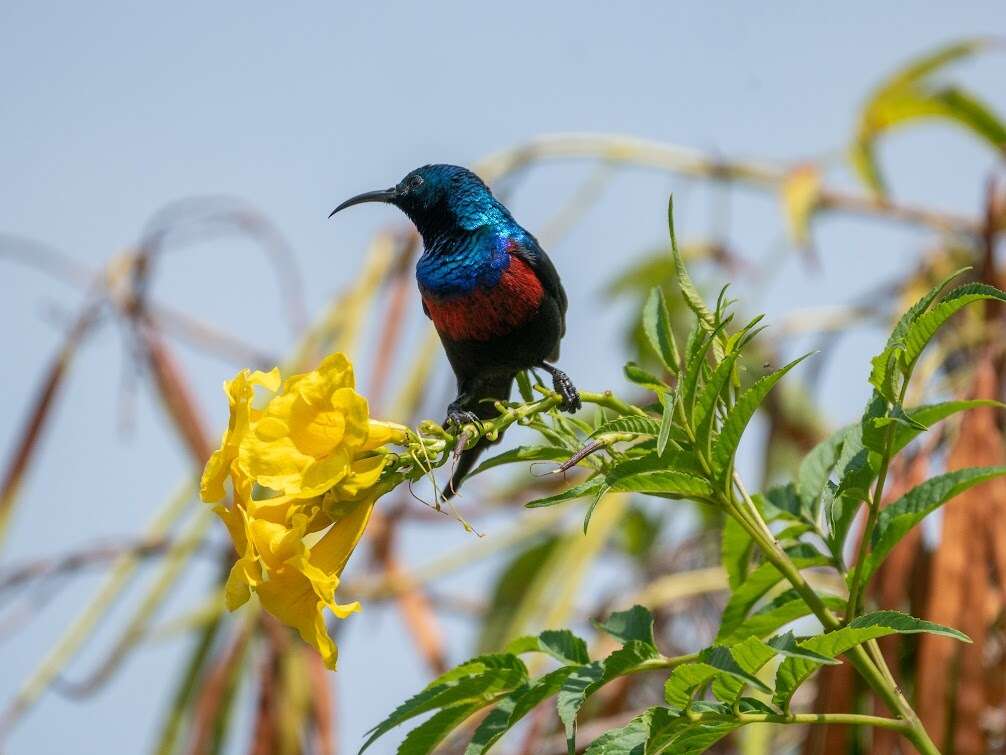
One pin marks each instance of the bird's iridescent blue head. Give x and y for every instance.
(439, 199)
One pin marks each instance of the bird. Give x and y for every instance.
(490, 289)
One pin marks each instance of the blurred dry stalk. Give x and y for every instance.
(294, 708)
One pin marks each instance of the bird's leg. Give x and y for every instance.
(564, 387)
(459, 416)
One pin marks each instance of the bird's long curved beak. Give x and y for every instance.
(384, 195)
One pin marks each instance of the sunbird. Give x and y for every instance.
(492, 293)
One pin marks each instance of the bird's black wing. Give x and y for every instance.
(531, 252)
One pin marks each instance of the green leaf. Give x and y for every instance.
(523, 453)
(786, 644)
(930, 414)
(684, 680)
(495, 724)
(718, 664)
(601, 492)
(639, 376)
(816, 469)
(691, 294)
(908, 96)
(690, 737)
(561, 644)
(780, 611)
(480, 680)
(758, 583)
(721, 658)
(922, 329)
(634, 624)
(689, 383)
(425, 737)
(898, 518)
(704, 413)
(630, 423)
(666, 423)
(740, 414)
(795, 671)
(629, 739)
(514, 707)
(750, 655)
(735, 551)
(585, 488)
(628, 659)
(657, 326)
(665, 482)
(574, 691)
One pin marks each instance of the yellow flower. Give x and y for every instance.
(240, 392)
(295, 582)
(308, 435)
(310, 454)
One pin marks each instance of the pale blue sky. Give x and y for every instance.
(112, 109)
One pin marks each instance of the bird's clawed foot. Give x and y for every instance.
(564, 387)
(460, 417)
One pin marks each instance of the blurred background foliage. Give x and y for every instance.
(248, 685)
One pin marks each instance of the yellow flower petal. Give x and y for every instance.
(331, 553)
(381, 433)
(292, 598)
(240, 392)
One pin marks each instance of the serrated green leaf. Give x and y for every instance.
(930, 414)
(741, 413)
(721, 658)
(899, 517)
(657, 327)
(425, 737)
(574, 691)
(750, 655)
(561, 644)
(494, 725)
(601, 492)
(663, 482)
(629, 424)
(735, 551)
(925, 326)
(685, 679)
(480, 680)
(635, 623)
(516, 705)
(816, 469)
(523, 453)
(758, 583)
(691, 294)
(666, 423)
(639, 376)
(704, 412)
(777, 613)
(795, 671)
(786, 644)
(585, 488)
(631, 738)
(690, 737)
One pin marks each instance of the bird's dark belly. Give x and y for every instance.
(525, 345)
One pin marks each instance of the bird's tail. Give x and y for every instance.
(496, 389)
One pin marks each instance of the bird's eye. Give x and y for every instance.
(415, 182)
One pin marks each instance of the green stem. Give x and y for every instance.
(858, 585)
(851, 719)
(665, 662)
